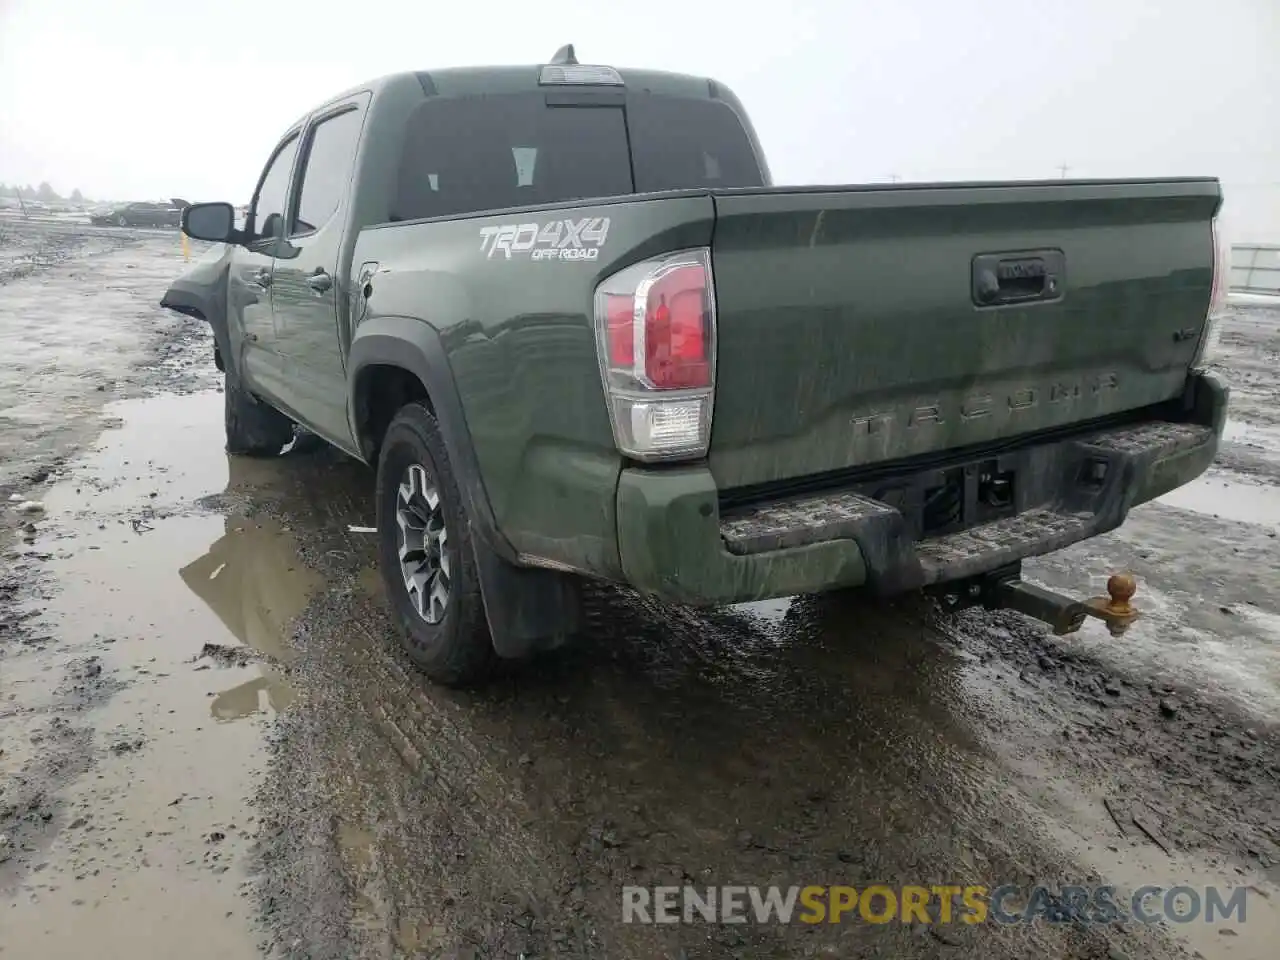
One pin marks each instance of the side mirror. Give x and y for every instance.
(215, 222)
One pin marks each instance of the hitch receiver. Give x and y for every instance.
(1007, 590)
(1063, 614)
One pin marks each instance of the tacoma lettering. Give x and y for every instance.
(980, 405)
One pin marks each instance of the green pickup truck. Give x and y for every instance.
(564, 312)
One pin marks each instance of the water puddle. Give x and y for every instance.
(161, 454)
(269, 694)
(252, 579)
(772, 611)
(186, 613)
(70, 331)
(1214, 495)
(1236, 430)
(1132, 862)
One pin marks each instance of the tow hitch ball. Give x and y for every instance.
(1064, 615)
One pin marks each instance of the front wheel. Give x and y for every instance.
(122, 221)
(252, 428)
(426, 555)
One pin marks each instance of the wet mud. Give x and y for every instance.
(213, 748)
(80, 325)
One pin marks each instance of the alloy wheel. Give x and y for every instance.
(423, 544)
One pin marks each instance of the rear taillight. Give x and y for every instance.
(1221, 270)
(655, 331)
(1212, 332)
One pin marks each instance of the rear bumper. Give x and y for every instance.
(674, 542)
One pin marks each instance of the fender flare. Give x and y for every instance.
(414, 345)
(528, 608)
(207, 303)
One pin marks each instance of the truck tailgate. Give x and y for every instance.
(866, 324)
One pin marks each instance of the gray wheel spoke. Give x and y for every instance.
(410, 529)
(443, 542)
(419, 591)
(439, 598)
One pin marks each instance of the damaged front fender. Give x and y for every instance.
(201, 292)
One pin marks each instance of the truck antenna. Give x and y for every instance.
(565, 55)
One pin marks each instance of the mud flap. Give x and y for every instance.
(529, 610)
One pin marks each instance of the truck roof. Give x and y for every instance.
(466, 81)
(461, 81)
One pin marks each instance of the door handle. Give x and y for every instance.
(263, 277)
(319, 281)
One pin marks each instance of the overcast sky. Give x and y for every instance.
(155, 98)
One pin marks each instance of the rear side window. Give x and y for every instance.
(683, 144)
(466, 154)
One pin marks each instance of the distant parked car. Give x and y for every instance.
(139, 215)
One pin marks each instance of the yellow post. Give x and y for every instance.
(186, 247)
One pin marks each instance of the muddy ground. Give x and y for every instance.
(210, 746)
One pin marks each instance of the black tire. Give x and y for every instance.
(457, 650)
(122, 221)
(253, 428)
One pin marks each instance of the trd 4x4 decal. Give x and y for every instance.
(554, 240)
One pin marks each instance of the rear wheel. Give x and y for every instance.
(425, 553)
(253, 428)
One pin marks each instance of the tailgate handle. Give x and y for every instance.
(1022, 277)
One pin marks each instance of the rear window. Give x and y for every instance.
(468, 154)
(681, 144)
(485, 153)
